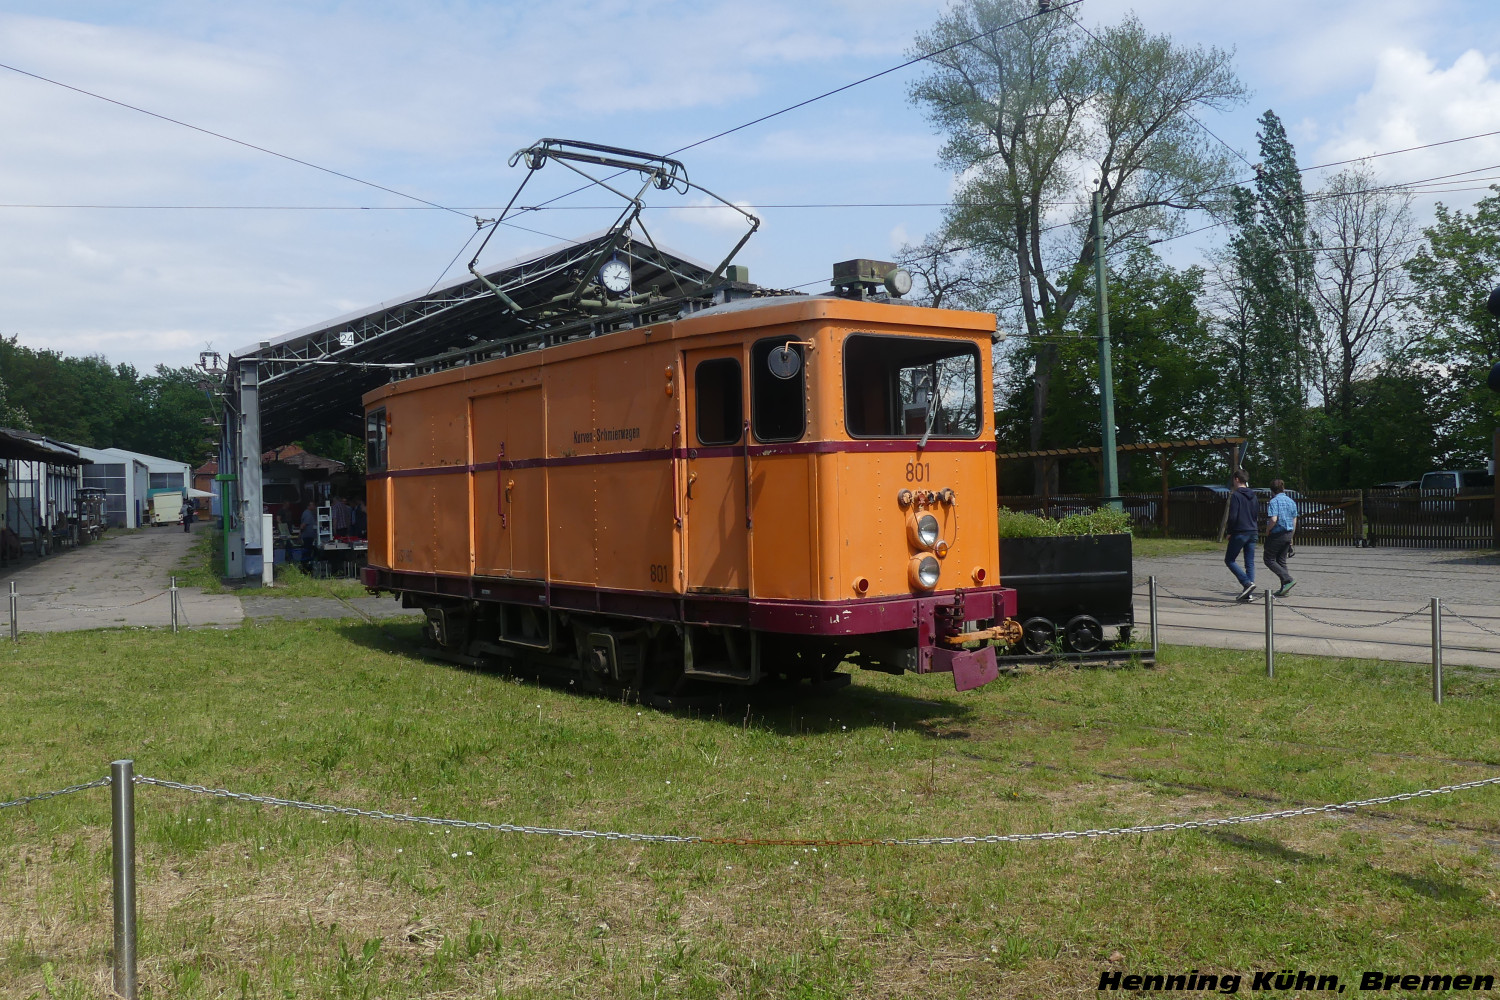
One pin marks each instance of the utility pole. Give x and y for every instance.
(1106, 372)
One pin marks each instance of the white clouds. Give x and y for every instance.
(707, 212)
(431, 96)
(426, 97)
(1414, 101)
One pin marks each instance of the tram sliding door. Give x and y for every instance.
(716, 484)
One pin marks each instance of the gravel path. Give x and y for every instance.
(122, 582)
(1343, 605)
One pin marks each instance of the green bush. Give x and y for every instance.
(1104, 521)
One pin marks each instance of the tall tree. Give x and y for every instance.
(1364, 235)
(947, 276)
(1275, 276)
(1037, 110)
(87, 401)
(1168, 373)
(1451, 276)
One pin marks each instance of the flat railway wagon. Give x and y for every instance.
(752, 493)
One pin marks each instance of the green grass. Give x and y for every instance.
(203, 565)
(1156, 548)
(241, 900)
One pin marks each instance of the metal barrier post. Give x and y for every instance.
(1270, 636)
(14, 633)
(1155, 627)
(122, 816)
(1437, 650)
(173, 592)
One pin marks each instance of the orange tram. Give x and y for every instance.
(752, 493)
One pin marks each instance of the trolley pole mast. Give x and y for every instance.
(1111, 482)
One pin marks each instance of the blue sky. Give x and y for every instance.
(431, 98)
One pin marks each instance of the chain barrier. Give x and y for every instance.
(1463, 618)
(272, 800)
(108, 607)
(1321, 621)
(667, 838)
(1217, 603)
(1213, 603)
(27, 799)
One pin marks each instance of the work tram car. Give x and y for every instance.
(755, 492)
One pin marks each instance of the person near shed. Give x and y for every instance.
(1242, 530)
(187, 513)
(309, 531)
(1281, 521)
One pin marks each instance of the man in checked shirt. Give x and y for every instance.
(1281, 520)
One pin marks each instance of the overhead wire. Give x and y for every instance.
(427, 204)
(228, 138)
(837, 90)
(258, 148)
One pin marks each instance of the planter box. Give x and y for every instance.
(1061, 576)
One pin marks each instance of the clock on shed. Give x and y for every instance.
(615, 276)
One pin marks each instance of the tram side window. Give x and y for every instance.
(778, 405)
(910, 386)
(721, 405)
(375, 454)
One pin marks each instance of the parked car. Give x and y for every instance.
(1443, 492)
(1465, 479)
(1205, 490)
(1397, 484)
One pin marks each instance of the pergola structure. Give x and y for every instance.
(1164, 452)
(280, 390)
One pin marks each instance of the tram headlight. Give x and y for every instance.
(923, 530)
(924, 572)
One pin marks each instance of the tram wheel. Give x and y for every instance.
(1038, 635)
(1083, 634)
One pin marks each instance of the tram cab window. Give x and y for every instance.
(720, 401)
(910, 386)
(778, 397)
(375, 444)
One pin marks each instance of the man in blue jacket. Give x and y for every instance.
(1281, 520)
(1242, 530)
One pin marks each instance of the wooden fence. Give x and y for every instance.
(1463, 519)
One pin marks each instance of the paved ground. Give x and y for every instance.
(123, 580)
(119, 581)
(1343, 603)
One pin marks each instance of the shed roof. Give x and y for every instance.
(27, 446)
(314, 378)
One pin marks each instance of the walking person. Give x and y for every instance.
(1281, 521)
(187, 512)
(1242, 529)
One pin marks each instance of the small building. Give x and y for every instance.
(40, 478)
(128, 477)
(205, 481)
